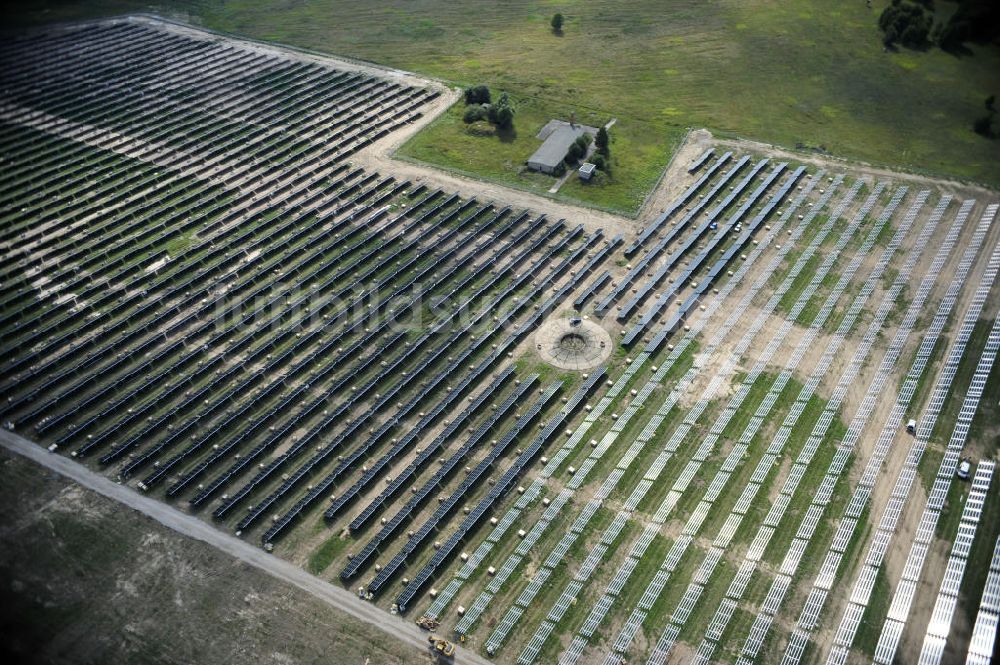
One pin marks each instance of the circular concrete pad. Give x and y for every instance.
(573, 344)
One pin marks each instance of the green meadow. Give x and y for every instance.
(807, 73)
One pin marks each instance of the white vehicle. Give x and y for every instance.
(964, 468)
(911, 426)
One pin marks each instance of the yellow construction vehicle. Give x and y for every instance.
(428, 623)
(442, 648)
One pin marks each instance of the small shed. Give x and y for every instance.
(586, 171)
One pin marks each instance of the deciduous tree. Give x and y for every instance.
(477, 94)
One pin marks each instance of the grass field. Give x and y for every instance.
(90, 581)
(636, 162)
(791, 73)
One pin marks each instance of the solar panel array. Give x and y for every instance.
(205, 295)
(724, 260)
(767, 529)
(445, 469)
(681, 250)
(500, 633)
(739, 451)
(811, 518)
(984, 631)
(687, 475)
(775, 449)
(824, 582)
(656, 226)
(902, 600)
(503, 486)
(639, 269)
(222, 298)
(534, 645)
(894, 509)
(505, 570)
(939, 626)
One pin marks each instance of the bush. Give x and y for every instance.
(974, 20)
(477, 94)
(598, 160)
(573, 155)
(603, 142)
(557, 22)
(984, 126)
(474, 113)
(502, 113)
(577, 149)
(905, 23)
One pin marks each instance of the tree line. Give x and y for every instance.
(911, 23)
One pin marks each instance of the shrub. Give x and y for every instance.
(984, 126)
(905, 23)
(598, 160)
(557, 22)
(474, 113)
(502, 113)
(974, 20)
(577, 149)
(575, 152)
(603, 142)
(477, 94)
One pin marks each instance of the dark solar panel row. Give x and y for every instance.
(592, 289)
(451, 502)
(657, 224)
(676, 319)
(507, 481)
(640, 267)
(444, 471)
(700, 161)
(686, 245)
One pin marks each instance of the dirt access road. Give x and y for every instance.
(193, 527)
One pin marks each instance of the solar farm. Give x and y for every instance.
(730, 431)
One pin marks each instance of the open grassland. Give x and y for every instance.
(640, 150)
(800, 72)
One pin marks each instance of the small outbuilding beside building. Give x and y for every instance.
(586, 171)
